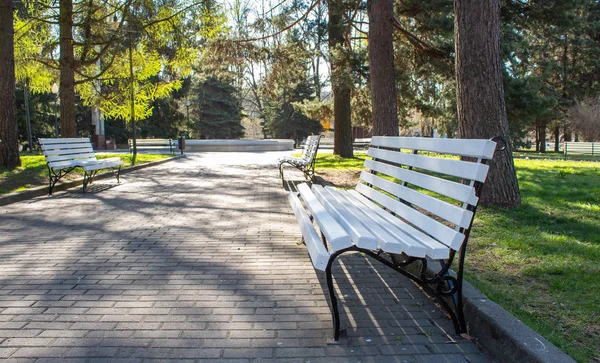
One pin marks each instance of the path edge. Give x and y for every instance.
(42, 191)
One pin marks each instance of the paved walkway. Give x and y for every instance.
(196, 259)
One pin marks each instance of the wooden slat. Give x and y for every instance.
(451, 213)
(80, 150)
(88, 156)
(359, 235)
(457, 168)
(454, 190)
(463, 147)
(48, 141)
(439, 231)
(316, 250)
(337, 237)
(96, 165)
(434, 249)
(389, 238)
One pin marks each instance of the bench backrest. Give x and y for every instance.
(311, 147)
(152, 142)
(434, 194)
(63, 151)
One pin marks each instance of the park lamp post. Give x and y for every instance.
(55, 92)
(188, 103)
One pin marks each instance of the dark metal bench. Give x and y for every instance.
(153, 144)
(306, 163)
(406, 211)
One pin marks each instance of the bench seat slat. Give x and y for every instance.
(337, 237)
(457, 168)
(316, 250)
(462, 147)
(433, 248)
(454, 190)
(437, 230)
(390, 238)
(440, 208)
(359, 235)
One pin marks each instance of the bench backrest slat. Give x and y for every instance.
(434, 193)
(457, 168)
(311, 147)
(454, 214)
(458, 191)
(59, 152)
(461, 147)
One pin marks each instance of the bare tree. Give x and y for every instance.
(584, 119)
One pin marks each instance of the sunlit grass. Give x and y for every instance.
(34, 173)
(540, 261)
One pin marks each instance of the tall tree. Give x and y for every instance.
(480, 92)
(9, 139)
(219, 113)
(341, 82)
(381, 67)
(67, 71)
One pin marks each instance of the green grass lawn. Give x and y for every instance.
(33, 172)
(540, 261)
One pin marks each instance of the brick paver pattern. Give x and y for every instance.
(197, 259)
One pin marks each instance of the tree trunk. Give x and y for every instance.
(541, 131)
(9, 134)
(381, 68)
(67, 71)
(480, 93)
(341, 83)
(556, 139)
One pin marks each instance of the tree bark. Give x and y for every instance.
(9, 134)
(341, 83)
(381, 68)
(480, 92)
(67, 71)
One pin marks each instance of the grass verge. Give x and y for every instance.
(33, 172)
(541, 261)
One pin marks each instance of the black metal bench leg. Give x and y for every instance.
(281, 174)
(335, 313)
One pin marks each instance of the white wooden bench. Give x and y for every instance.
(306, 163)
(406, 210)
(64, 155)
(153, 144)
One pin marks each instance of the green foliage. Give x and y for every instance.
(217, 112)
(288, 117)
(29, 38)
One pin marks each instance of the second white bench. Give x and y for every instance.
(64, 155)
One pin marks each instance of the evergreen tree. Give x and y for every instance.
(217, 111)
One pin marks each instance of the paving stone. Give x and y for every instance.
(197, 259)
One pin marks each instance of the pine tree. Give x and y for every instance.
(217, 111)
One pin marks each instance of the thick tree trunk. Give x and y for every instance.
(9, 134)
(381, 68)
(480, 92)
(67, 71)
(556, 139)
(340, 81)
